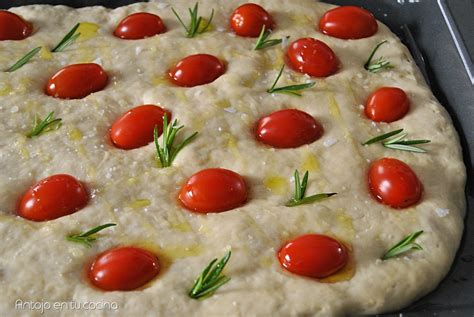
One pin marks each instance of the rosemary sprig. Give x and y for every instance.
(405, 245)
(288, 90)
(210, 278)
(167, 152)
(67, 40)
(42, 126)
(379, 64)
(87, 237)
(300, 191)
(25, 59)
(195, 22)
(264, 42)
(397, 143)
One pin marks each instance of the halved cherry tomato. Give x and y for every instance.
(123, 269)
(248, 20)
(313, 255)
(195, 70)
(139, 26)
(213, 190)
(53, 197)
(135, 127)
(387, 104)
(76, 81)
(13, 27)
(348, 22)
(312, 57)
(394, 183)
(288, 128)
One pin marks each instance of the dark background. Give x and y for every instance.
(451, 85)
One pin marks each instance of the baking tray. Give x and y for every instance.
(431, 30)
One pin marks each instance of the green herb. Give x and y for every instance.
(264, 42)
(25, 59)
(195, 22)
(289, 90)
(67, 40)
(380, 64)
(87, 238)
(397, 143)
(405, 245)
(210, 279)
(42, 126)
(167, 152)
(300, 191)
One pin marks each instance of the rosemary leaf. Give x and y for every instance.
(67, 40)
(210, 278)
(382, 137)
(300, 192)
(194, 26)
(25, 59)
(87, 238)
(289, 90)
(42, 126)
(397, 142)
(264, 42)
(167, 152)
(380, 64)
(405, 245)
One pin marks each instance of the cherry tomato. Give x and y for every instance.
(53, 197)
(248, 20)
(135, 128)
(313, 255)
(123, 269)
(76, 81)
(195, 70)
(387, 104)
(13, 27)
(213, 190)
(348, 22)
(312, 57)
(394, 183)
(288, 128)
(139, 26)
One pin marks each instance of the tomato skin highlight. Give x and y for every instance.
(387, 104)
(348, 22)
(139, 25)
(13, 27)
(195, 70)
(394, 183)
(213, 190)
(288, 128)
(135, 128)
(248, 19)
(53, 197)
(76, 81)
(313, 255)
(123, 269)
(312, 57)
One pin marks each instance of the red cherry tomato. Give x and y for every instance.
(312, 57)
(288, 128)
(123, 269)
(213, 190)
(248, 20)
(394, 183)
(313, 255)
(387, 104)
(13, 27)
(135, 128)
(53, 197)
(139, 26)
(348, 22)
(76, 81)
(195, 70)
